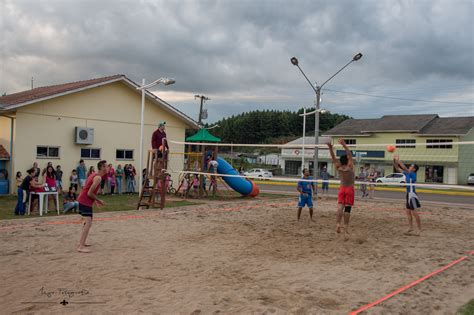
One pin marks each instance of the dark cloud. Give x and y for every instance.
(238, 52)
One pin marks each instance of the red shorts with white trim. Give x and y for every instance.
(345, 195)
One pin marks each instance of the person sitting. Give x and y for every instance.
(70, 200)
(35, 186)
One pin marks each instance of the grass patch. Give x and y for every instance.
(112, 203)
(467, 309)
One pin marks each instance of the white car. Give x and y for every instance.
(259, 172)
(470, 179)
(392, 178)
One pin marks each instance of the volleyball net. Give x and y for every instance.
(442, 163)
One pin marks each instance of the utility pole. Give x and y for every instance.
(203, 98)
(32, 83)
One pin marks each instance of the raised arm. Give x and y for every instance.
(333, 156)
(350, 161)
(399, 166)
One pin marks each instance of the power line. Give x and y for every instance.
(399, 98)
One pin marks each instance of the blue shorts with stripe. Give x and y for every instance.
(305, 199)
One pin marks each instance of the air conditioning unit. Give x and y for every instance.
(84, 135)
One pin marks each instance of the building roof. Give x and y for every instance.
(430, 124)
(4, 155)
(45, 91)
(203, 136)
(449, 126)
(16, 100)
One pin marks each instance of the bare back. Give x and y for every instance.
(347, 176)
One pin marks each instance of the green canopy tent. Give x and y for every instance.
(203, 136)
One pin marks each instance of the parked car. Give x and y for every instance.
(259, 172)
(470, 179)
(392, 178)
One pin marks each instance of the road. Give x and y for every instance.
(424, 197)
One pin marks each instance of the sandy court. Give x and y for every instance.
(244, 256)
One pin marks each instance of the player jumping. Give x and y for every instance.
(345, 196)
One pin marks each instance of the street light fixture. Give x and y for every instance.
(143, 87)
(317, 90)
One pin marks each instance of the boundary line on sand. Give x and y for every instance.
(412, 284)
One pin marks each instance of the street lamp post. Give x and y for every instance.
(143, 87)
(322, 111)
(203, 99)
(317, 90)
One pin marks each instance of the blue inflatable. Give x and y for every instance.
(241, 185)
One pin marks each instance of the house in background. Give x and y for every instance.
(91, 120)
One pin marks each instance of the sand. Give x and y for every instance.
(238, 257)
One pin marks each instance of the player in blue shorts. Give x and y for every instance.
(306, 190)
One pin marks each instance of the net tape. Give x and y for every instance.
(333, 181)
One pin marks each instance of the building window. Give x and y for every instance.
(93, 154)
(350, 141)
(124, 154)
(405, 143)
(439, 146)
(47, 152)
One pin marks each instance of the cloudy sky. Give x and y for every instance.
(237, 52)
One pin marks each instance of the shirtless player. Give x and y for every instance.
(345, 196)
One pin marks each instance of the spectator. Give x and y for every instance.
(19, 180)
(36, 169)
(324, 175)
(372, 177)
(196, 186)
(35, 186)
(363, 178)
(19, 204)
(73, 179)
(111, 178)
(91, 171)
(118, 178)
(59, 178)
(44, 169)
(50, 182)
(81, 173)
(112, 183)
(126, 171)
(133, 174)
(70, 200)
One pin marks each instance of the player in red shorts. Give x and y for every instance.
(345, 196)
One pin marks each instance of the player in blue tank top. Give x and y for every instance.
(306, 190)
(412, 200)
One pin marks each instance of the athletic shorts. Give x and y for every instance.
(85, 211)
(325, 186)
(411, 206)
(82, 182)
(305, 200)
(345, 195)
